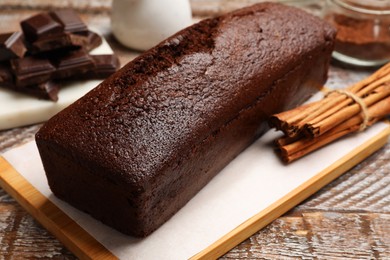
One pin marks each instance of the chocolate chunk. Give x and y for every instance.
(31, 70)
(11, 46)
(40, 25)
(47, 90)
(56, 42)
(6, 78)
(93, 41)
(61, 29)
(105, 65)
(73, 63)
(69, 20)
(50, 43)
(53, 45)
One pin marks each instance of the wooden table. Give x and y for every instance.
(349, 218)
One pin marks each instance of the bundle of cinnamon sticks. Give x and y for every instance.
(339, 113)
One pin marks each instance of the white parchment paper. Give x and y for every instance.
(250, 183)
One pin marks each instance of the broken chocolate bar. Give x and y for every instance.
(40, 25)
(58, 43)
(47, 90)
(70, 41)
(93, 41)
(31, 70)
(66, 41)
(73, 63)
(73, 34)
(6, 78)
(69, 20)
(11, 46)
(52, 43)
(105, 65)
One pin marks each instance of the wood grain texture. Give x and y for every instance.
(22, 237)
(349, 218)
(320, 235)
(366, 188)
(17, 136)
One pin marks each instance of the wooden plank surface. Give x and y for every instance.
(347, 218)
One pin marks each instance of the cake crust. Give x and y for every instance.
(139, 146)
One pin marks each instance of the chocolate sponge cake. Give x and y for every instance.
(139, 146)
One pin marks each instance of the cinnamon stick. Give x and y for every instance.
(302, 146)
(314, 125)
(294, 121)
(344, 113)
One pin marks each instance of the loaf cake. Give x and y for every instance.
(139, 146)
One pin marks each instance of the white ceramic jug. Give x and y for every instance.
(141, 24)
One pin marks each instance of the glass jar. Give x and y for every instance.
(363, 26)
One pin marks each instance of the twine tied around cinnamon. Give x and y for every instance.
(357, 100)
(311, 126)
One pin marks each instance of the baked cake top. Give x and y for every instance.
(172, 97)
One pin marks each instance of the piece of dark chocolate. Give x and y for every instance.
(47, 90)
(50, 43)
(71, 64)
(93, 40)
(54, 43)
(40, 25)
(69, 20)
(105, 65)
(31, 70)
(6, 78)
(11, 46)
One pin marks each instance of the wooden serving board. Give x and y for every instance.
(246, 196)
